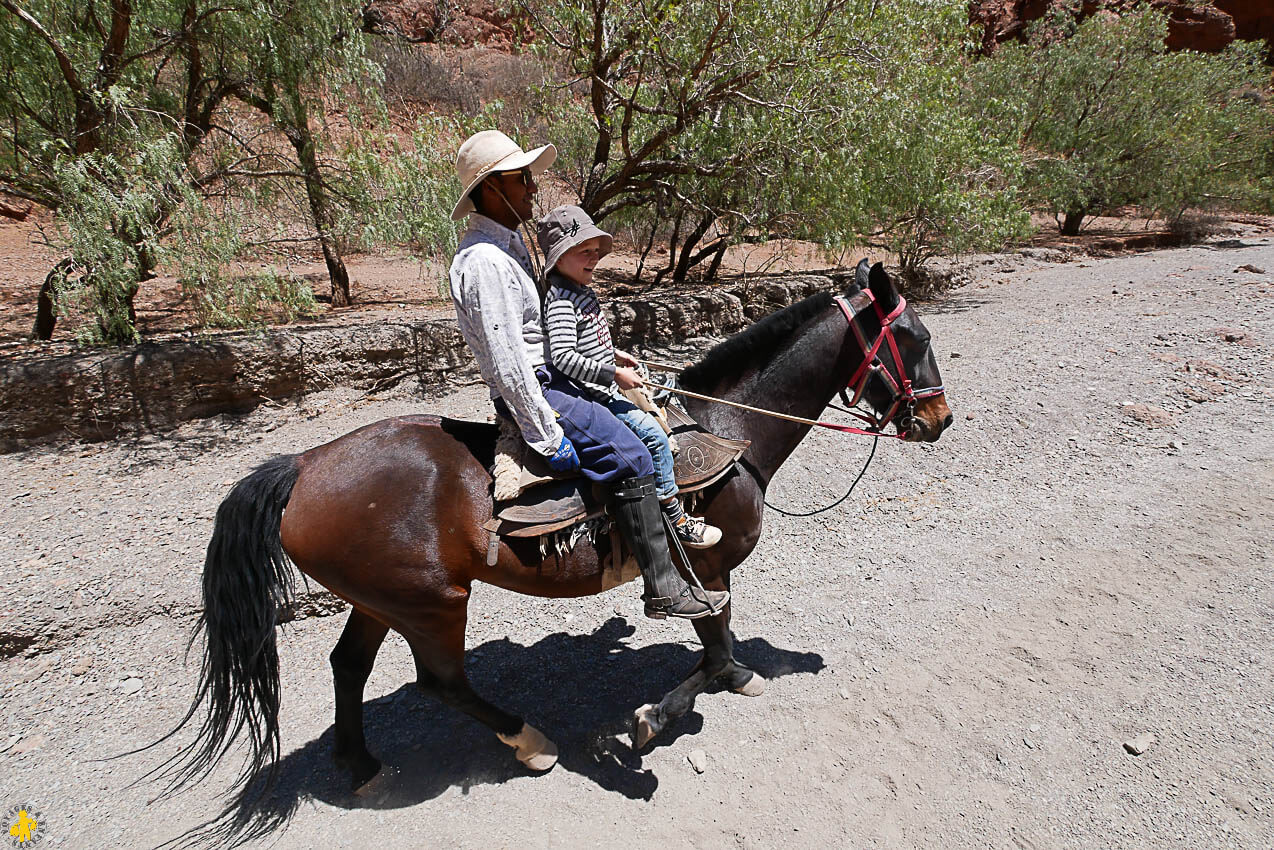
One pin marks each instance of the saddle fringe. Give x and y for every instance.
(563, 542)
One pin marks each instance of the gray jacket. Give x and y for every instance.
(498, 310)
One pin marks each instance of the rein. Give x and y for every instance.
(857, 478)
(846, 429)
(876, 435)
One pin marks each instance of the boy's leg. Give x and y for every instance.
(692, 531)
(653, 437)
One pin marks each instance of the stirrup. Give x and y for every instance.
(663, 607)
(657, 606)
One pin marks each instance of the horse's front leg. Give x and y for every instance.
(717, 662)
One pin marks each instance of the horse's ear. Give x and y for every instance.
(860, 277)
(882, 287)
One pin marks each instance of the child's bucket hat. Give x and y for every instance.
(563, 229)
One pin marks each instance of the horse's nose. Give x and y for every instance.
(946, 423)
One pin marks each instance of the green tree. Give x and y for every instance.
(316, 50)
(106, 109)
(401, 194)
(1107, 116)
(932, 179)
(713, 122)
(80, 85)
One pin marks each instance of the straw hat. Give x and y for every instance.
(488, 152)
(563, 229)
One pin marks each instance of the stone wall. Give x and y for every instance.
(156, 386)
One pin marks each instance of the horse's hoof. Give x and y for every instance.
(371, 786)
(646, 725)
(362, 770)
(753, 687)
(530, 746)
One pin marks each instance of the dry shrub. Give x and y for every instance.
(464, 81)
(516, 81)
(419, 74)
(1194, 226)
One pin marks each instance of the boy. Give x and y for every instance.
(580, 347)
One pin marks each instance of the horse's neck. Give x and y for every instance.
(799, 381)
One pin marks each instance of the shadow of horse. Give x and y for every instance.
(580, 697)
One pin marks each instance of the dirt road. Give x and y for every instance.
(956, 656)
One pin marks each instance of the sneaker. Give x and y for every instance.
(696, 533)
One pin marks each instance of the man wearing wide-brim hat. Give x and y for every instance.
(498, 309)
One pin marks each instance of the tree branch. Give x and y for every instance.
(64, 61)
(110, 65)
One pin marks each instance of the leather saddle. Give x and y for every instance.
(549, 502)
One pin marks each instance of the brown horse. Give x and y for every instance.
(389, 518)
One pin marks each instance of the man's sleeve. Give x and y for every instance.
(494, 301)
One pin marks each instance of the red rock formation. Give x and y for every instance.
(14, 211)
(1191, 25)
(1203, 28)
(464, 24)
(1002, 20)
(1253, 19)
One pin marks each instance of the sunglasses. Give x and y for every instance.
(523, 174)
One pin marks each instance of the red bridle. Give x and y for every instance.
(903, 393)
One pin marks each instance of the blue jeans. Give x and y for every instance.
(608, 451)
(648, 430)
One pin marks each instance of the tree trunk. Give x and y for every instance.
(716, 261)
(672, 247)
(650, 243)
(129, 298)
(303, 142)
(688, 246)
(45, 317)
(1070, 225)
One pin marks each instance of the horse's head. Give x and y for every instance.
(899, 380)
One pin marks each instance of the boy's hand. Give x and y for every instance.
(628, 378)
(623, 358)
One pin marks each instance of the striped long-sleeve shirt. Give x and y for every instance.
(579, 338)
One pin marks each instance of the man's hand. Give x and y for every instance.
(564, 459)
(628, 378)
(623, 358)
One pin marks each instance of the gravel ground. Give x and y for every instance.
(956, 655)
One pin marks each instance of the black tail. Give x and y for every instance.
(246, 578)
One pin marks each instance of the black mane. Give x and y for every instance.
(753, 345)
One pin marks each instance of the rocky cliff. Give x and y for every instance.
(457, 24)
(1192, 25)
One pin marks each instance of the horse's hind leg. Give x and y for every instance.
(352, 661)
(439, 656)
(716, 662)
